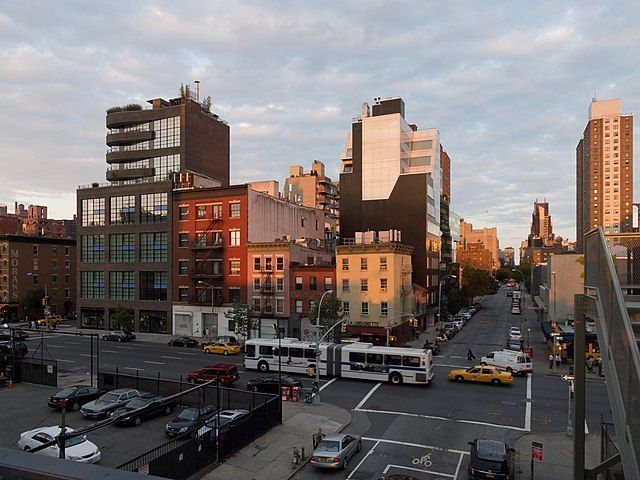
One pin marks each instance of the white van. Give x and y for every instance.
(515, 362)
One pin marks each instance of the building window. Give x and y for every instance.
(345, 308)
(152, 321)
(345, 264)
(122, 248)
(255, 304)
(280, 284)
(279, 264)
(183, 240)
(364, 285)
(67, 265)
(313, 283)
(183, 267)
(183, 213)
(91, 284)
(256, 284)
(122, 286)
(256, 264)
(234, 267)
(234, 210)
(298, 306)
(153, 286)
(66, 279)
(364, 308)
(302, 222)
(201, 211)
(234, 297)
(153, 208)
(122, 210)
(345, 285)
(54, 264)
(234, 237)
(268, 264)
(153, 247)
(35, 249)
(312, 305)
(36, 279)
(92, 317)
(92, 248)
(67, 293)
(268, 286)
(280, 305)
(66, 251)
(328, 283)
(183, 294)
(363, 264)
(383, 284)
(217, 211)
(93, 212)
(383, 263)
(298, 283)
(384, 309)
(54, 279)
(54, 250)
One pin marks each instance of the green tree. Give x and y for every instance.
(245, 319)
(330, 313)
(525, 268)
(503, 274)
(206, 104)
(122, 318)
(32, 303)
(455, 301)
(477, 282)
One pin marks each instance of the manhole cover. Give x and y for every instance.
(509, 404)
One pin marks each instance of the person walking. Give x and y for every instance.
(317, 438)
(558, 360)
(551, 360)
(470, 355)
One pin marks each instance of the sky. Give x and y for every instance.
(508, 84)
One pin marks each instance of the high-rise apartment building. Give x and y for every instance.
(541, 233)
(391, 178)
(604, 171)
(488, 237)
(125, 228)
(446, 249)
(312, 189)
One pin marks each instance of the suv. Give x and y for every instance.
(108, 402)
(490, 459)
(116, 336)
(223, 373)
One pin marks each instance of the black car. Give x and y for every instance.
(18, 335)
(183, 342)
(270, 384)
(142, 408)
(434, 347)
(75, 396)
(490, 459)
(188, 419)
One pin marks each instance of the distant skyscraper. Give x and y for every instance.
(541, 233)
(604, 161)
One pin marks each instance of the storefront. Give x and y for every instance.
(9, 312)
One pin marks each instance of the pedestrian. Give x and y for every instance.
(551, 359)
(317, 438)
(470, 355)
(589, 364)
(558, 360)
(600, 367)
(206, 334)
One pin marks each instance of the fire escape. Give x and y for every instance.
(206, 265)
(267, 308)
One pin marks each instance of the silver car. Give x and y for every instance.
(334, 451)
(108, 402)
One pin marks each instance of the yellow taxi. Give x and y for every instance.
(481, 373)
(52, 321)
(222, 348)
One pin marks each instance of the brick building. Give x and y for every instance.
(475, 255)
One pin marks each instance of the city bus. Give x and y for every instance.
(356, 360)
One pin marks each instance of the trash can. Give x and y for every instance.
(295, 394)
(286, 393)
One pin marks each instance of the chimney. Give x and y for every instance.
(197, 82)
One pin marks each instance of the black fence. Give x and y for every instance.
(608, 449)
(29, 369)
(206, 443)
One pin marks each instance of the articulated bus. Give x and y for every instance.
(356, 360)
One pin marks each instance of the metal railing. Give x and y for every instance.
(621, 358)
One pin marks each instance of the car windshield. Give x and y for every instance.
(67, 392)
(328, 446)
(71, 442)
(109, 398)
(137, 403)
(189, 414)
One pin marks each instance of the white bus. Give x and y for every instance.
(356, 360)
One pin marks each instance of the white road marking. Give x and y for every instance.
(330, 382)
(444, 419)
(108, 351)
(67, 361)
(86, 355)
(458, 467)
(431, 472)
(409, 444)
(55, 346)
(132, 368)
(450, 366)
(529, 386)
(187, 353)
(71, 343)
(124, 348)
(172, 358)
(586, 428)
(363, 459)
(366, 397)
(527, 410)
(154, 363)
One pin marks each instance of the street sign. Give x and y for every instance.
(537, 451)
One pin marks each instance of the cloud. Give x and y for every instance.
(507, 86)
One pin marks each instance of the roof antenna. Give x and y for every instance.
(595, 95)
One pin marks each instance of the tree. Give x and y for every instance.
(245, 319)
(503, 274)
(477, 282)
(206, 104)
(122, 318)
(455, 301)
(330, 313)
(33, 302)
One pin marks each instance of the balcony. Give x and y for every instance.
(204, 246)
(125, 138)
(121, 174)
(126, 156)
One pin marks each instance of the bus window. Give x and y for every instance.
(250, 351)
(296, 352)
(309, 354)
(265, 350)
(374, 358)
(393, 359)
(411, 361)
(356, 357)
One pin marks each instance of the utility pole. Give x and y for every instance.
(63, 428)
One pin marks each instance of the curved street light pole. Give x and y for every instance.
(440, 297)
(316, 397)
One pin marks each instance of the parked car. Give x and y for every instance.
(509, 293)
(459, 323)
(515, 310)
(514, 335)
(269, 384)
(188, 419)
(222, 348)
(481, 373)
(142, 408)
(490, 459)
(514, 345)
(451, 326)
(19, 349)
(51, 322)
(224, 373)
(108, 402)
(220, 423)
(75, 397)
(514, 362)
(334, 451)
(183, 342)
(116, 336)
(515, 330)
(18, 335)
(77, 449)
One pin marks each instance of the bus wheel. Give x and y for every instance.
(263, 367)
(395, 378)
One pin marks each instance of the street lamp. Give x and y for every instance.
(440, 298)
(276, 327)
(569, 380)
(389, 326)
(316, 397)
(200, 282)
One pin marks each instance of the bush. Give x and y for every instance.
(131, 107)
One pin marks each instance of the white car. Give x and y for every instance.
(515, 330)
(78, 449)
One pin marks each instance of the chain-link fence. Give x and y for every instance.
(608, 449)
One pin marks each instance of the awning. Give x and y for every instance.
(546, 329)
(366, 330)
(4, 306)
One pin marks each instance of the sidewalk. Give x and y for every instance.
(429, 334)
(557, 462)
(270, 456)
(140, 336)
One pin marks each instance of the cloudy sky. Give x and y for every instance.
(508, 84)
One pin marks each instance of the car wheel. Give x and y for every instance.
(359, 446)
(75, 406)
(137, 421)
(263, 367)
(225, 352)
(496, 381)
(510, 370)
(484, 364)
(395, 378)
(207, 350)
(27, 448)
(344, 464)
(459, 378)
(104, 337)
(119, 339)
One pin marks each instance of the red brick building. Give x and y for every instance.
(308, 284)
